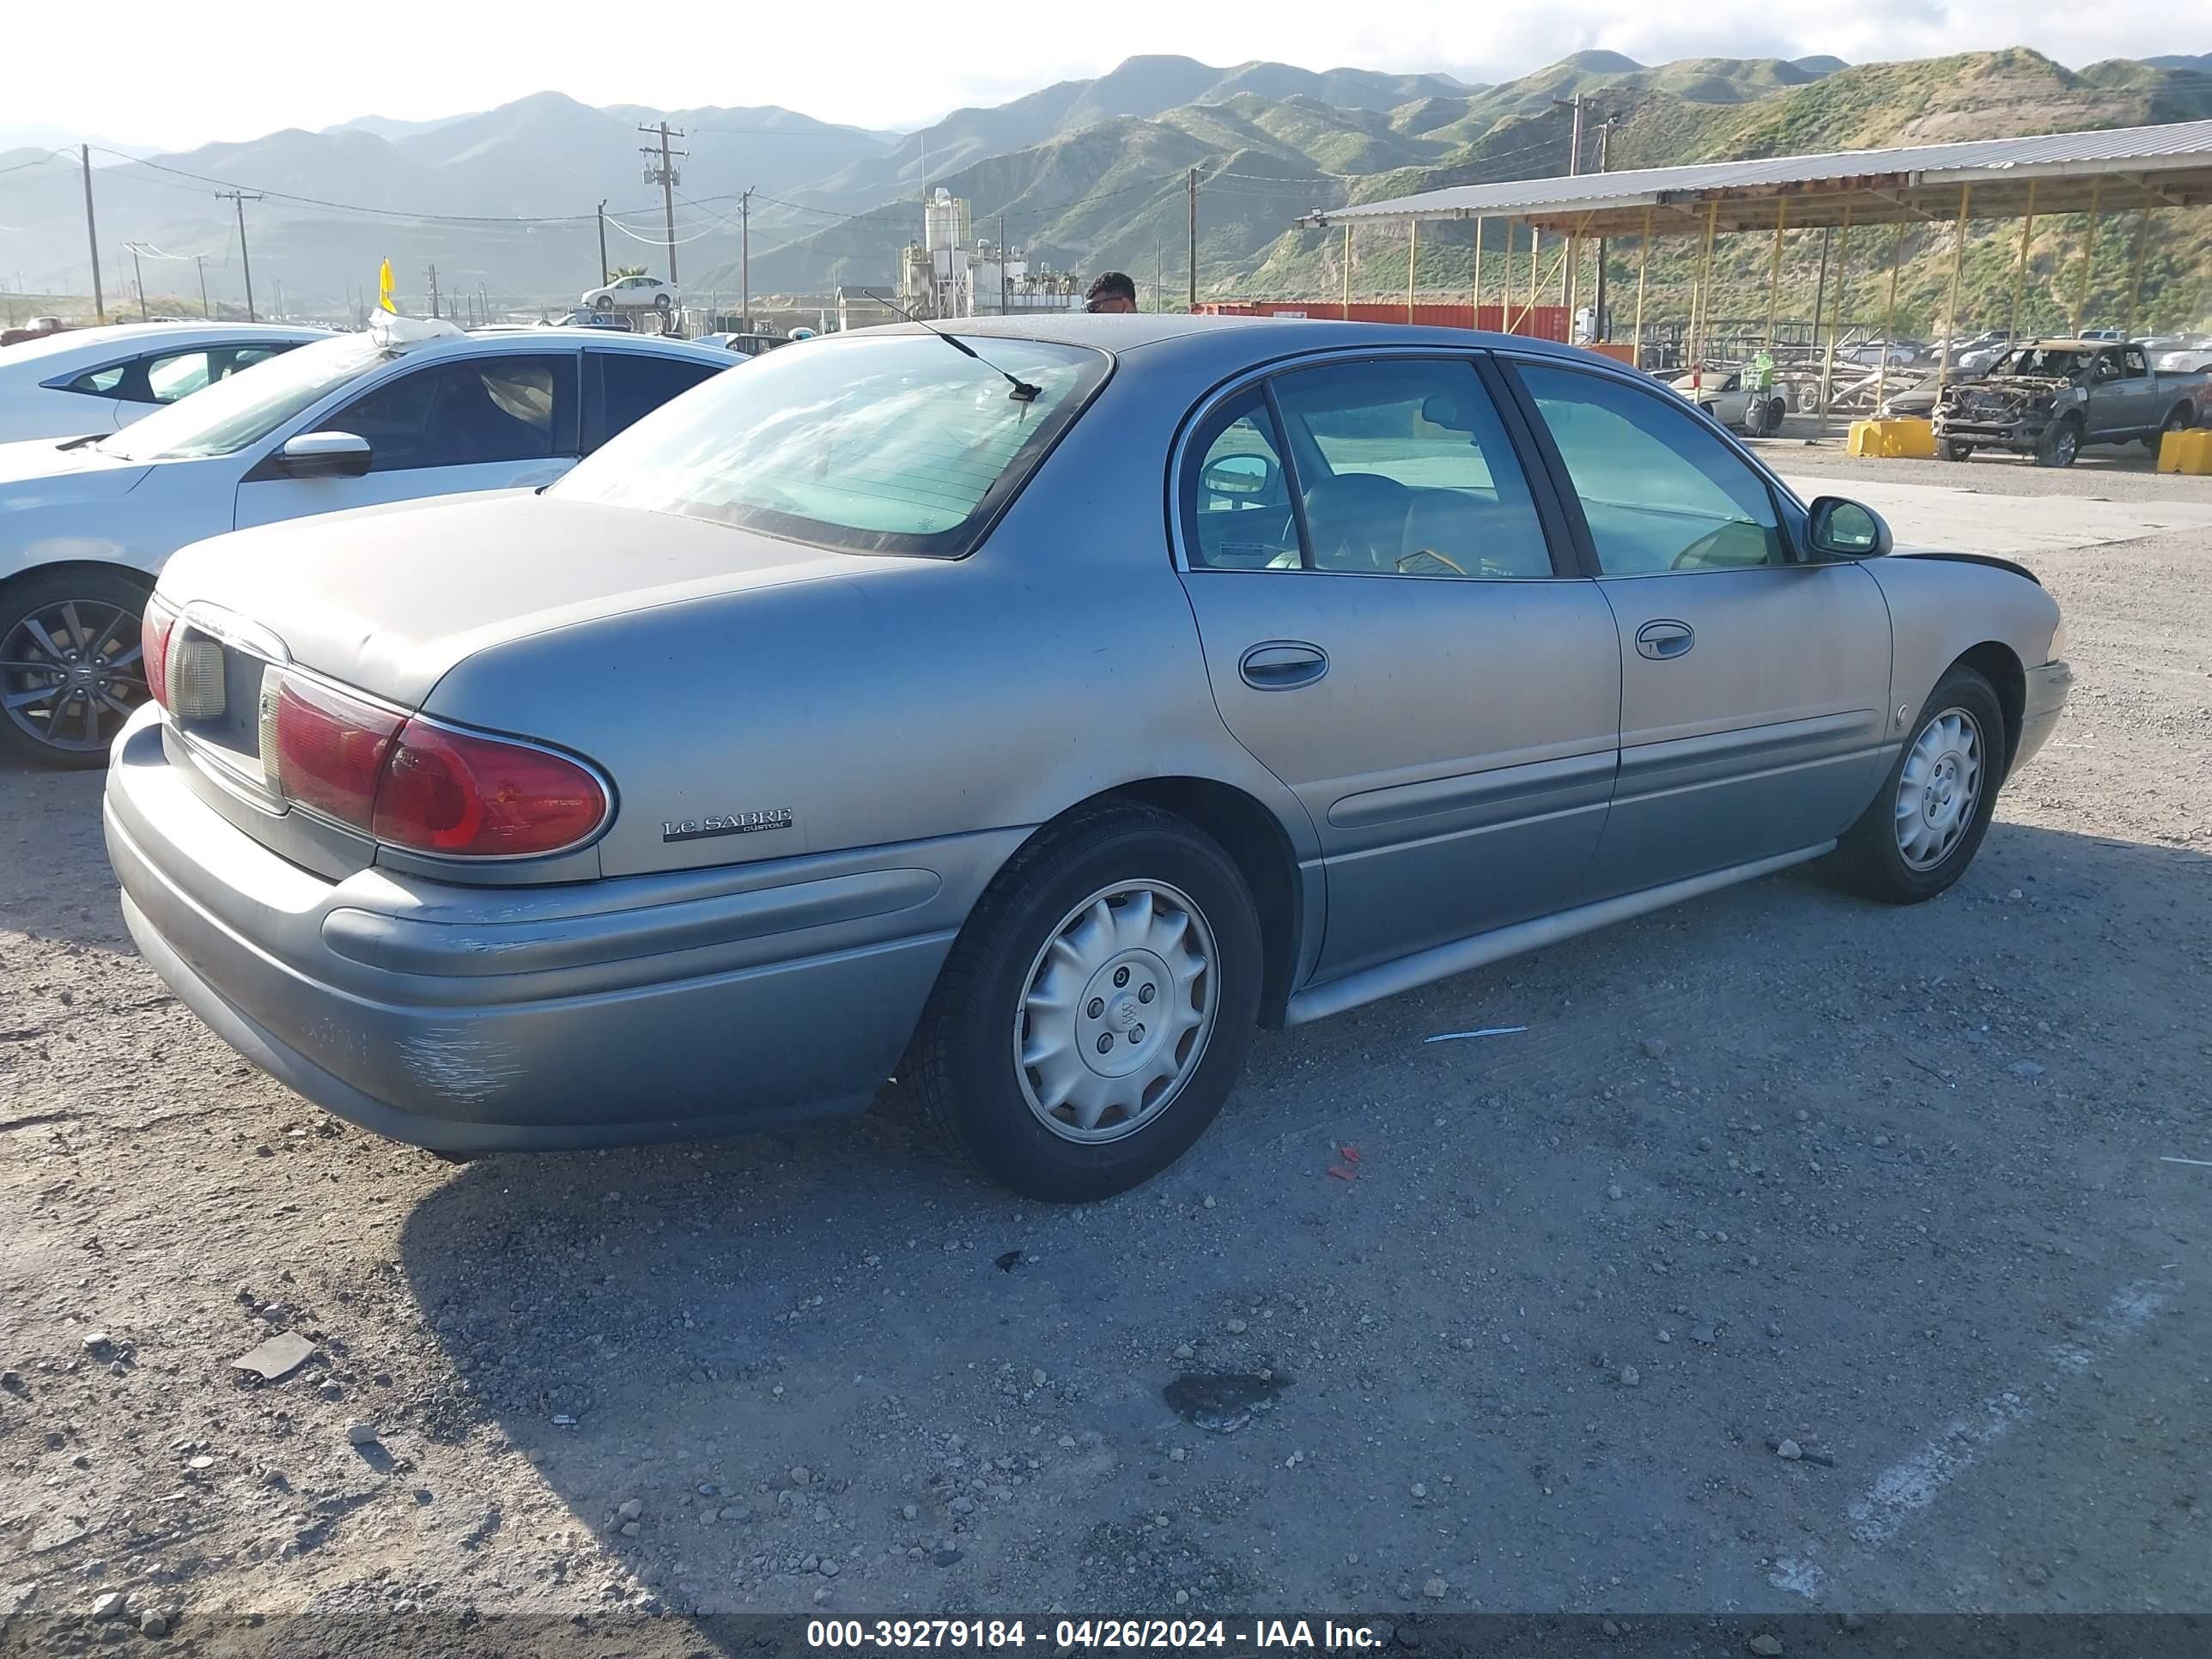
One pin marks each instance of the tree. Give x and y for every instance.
(621, 271)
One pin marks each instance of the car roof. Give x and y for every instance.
(1265, 336)
(535, 339)
(2072, 345)
(125, 338)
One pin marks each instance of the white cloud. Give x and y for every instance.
(166, 76)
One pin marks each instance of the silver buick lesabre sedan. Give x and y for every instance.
(1027, 712)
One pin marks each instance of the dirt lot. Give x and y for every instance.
(1887, 1188)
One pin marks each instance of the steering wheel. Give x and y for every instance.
(1406, 562)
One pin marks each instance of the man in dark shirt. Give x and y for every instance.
(1113, 292)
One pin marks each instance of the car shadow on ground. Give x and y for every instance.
(1744, 1155)
(49, 824)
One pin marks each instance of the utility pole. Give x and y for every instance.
(138, 276)
(92, 236)
(1574, 170)
(485, 294)
(240, 199)
(1159, 268)
(1002, 265)
(745, 259)
(200, 265)
(280, 297)
(432, 273)
(1192, 186)
(666, 176)
(603, 277)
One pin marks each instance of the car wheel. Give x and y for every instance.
(1955, 450)
(660, 303)
(71, 670)
(1928, 819)
(1095, 1011)
(2061, 444)
(2176, 421)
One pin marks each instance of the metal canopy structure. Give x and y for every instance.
(2113, 171)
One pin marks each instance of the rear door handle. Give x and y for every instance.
(1663, 639)
(1281, 665)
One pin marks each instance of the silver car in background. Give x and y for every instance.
(1030, 713)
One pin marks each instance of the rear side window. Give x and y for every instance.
(892, 443)
(636, 383)
(100, 382)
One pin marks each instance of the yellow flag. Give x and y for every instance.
(384, 288)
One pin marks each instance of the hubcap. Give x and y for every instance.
(1939, 788)
(71, 674)
(1116, 1012)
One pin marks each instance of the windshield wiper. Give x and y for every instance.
(79, 443)
(1023, 390)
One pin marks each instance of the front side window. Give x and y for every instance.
(1406, 469)
(894, 443)
(1236, 495)
(1659, 489)
(474, 412)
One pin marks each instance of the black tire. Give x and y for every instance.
(2176, 420)
(2062, 443)
(962, 1060)
(1778, 410)
(660, 303)
(1869, 860)
(1955, 449)
(107, 604)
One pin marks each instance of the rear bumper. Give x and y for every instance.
(509, 1018)
(2047, 686)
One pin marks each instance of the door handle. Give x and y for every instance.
(1281, 665)
(1667, 638)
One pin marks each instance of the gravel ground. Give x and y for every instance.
(1777, 1173)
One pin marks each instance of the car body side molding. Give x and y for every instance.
(1388, 979)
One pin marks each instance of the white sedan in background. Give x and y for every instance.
(101, 379)
(356, 420)
(633, 294)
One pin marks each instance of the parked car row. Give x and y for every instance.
(346, 421)
(1032, 714)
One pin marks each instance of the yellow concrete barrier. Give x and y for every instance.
(2186, 452)
(1912, 440)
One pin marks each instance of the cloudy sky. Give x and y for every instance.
(170, 76)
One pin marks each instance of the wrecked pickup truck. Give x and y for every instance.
(2050, 397)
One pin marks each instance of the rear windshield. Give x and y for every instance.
(880, 443)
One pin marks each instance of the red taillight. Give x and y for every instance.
(421, 786)
(331, 748)
(465, 796)
(154, 625)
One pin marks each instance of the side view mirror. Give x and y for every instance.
(1845, 530)
(324, 455)
(1239, 475)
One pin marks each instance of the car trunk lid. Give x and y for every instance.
(384, 602)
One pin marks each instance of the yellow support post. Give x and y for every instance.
(2088, 258)
(1836, 320)
(1701, 300)
(1889, 317)
(1774, 268)
(1413, 258)
(2020, 275)
(1643, 268)
(2135, 276)
(1347, 271)
(1478, 271)
(1951, 305)
(1535, 248)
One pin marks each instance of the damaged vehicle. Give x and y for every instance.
(1029, 714)
(2048, 398)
